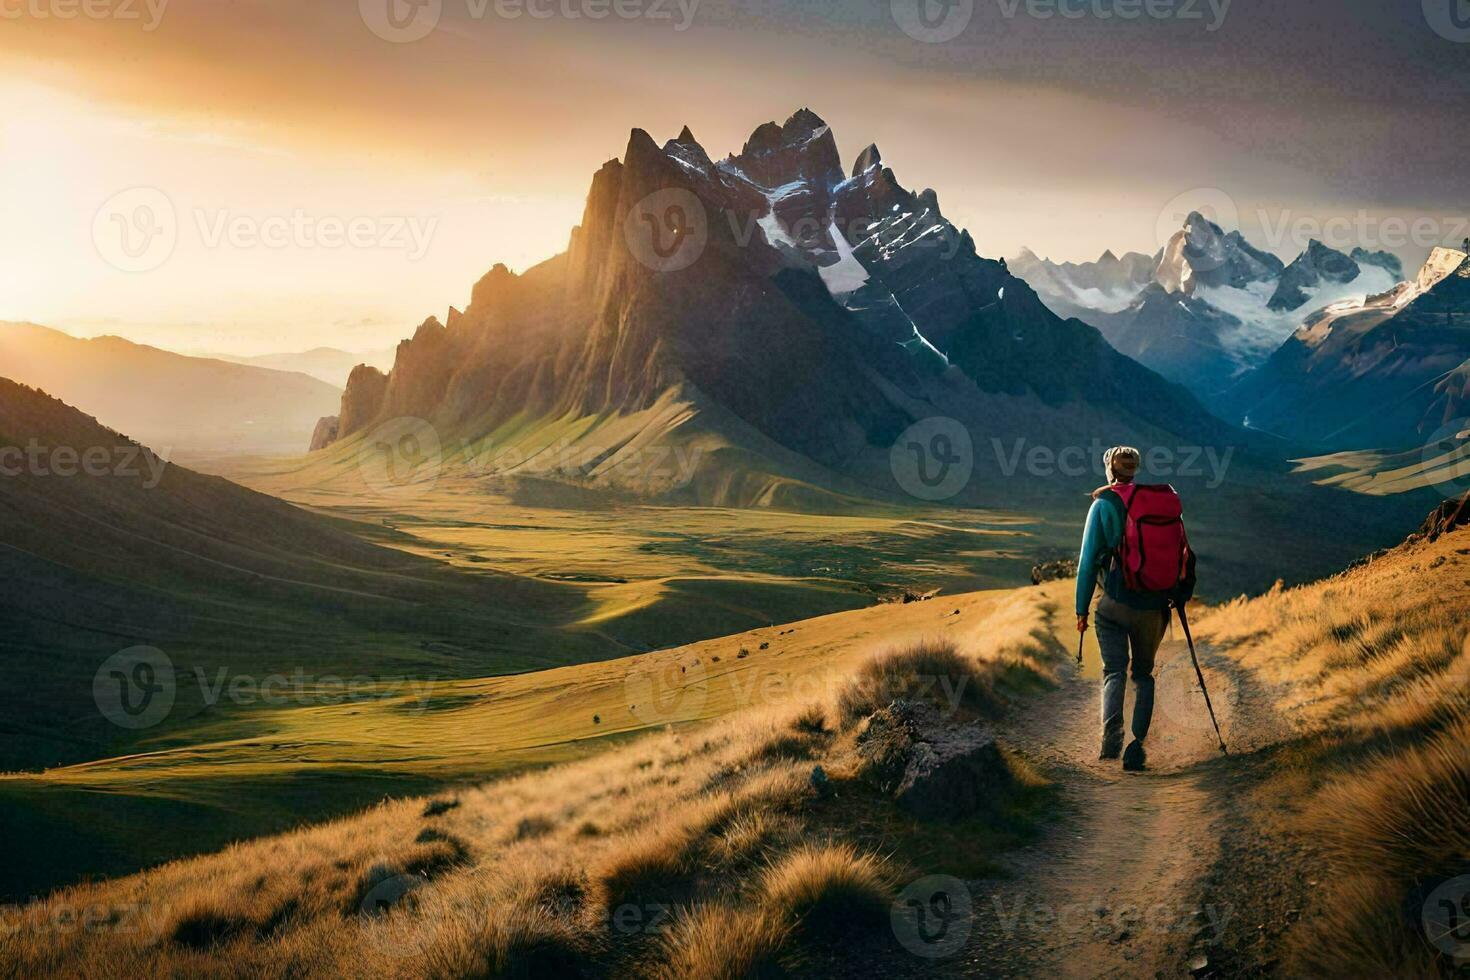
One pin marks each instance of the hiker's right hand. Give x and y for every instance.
(1082, 623)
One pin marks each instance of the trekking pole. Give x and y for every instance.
(1080, 637)
(1184, 622)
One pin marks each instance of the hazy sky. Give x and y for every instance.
(328, 182)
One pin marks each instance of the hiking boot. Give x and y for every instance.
(1134, 757)
(1112, 746)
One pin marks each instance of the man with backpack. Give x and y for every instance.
(1134, 541)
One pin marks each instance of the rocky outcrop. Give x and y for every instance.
(325, 432)
(933, 768)
(1448, 516)
(362, 401)
(421, 372)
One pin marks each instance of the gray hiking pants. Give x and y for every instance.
(1121, 629)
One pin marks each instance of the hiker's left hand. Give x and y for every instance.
(1082, 624)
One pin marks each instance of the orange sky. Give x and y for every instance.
(329, 187)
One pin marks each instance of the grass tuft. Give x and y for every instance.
(721, 942)
(932, 670)
(827, 890)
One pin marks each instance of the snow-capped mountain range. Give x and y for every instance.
(1208, 307)
(1386, 372)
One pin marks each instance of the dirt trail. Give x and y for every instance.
(1115, 886)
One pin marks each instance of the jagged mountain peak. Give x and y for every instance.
(490, 286)
(802, 122)
(867, 160)
(1196, 221)
(429, 326)
(804, 149)
(1319, 263)
(687, 151)
(1203, 254)
(641, 148)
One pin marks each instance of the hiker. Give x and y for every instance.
(1135, 541)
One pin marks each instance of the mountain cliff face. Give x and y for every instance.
(1212, 306)
(1384, 373)
(799, 310)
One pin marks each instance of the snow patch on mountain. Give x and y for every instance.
(1104, 301)
(847, 273)
(1262, 329)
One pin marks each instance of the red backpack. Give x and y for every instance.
(1154, 553)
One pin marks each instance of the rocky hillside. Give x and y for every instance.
(109, 548)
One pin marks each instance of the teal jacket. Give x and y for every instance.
(1100, 540)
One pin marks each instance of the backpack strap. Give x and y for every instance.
(1111, 559)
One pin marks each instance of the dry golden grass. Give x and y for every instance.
(825, 890)
(1374, 667)
(689, 852)
(724, 942)
(1400, 822)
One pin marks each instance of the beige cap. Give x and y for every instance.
(1121, 463)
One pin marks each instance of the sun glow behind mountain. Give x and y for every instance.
(486, 129)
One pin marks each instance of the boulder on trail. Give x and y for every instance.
(933, 768)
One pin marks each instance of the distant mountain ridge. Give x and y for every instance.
(1211, 306)
(166, 400)
(327, 364)
(825, 313)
